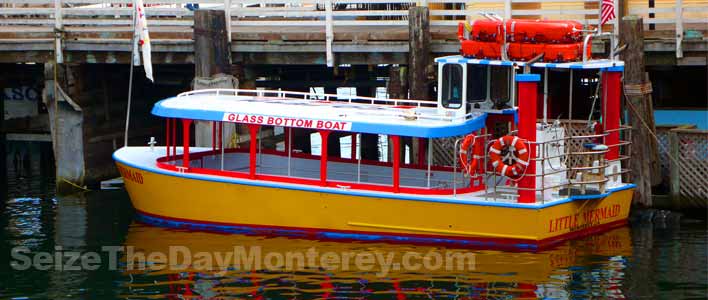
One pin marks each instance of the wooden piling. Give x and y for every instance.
(66, 123)
(211, 44)
(212, 65)
(644, 162)
(3, 155)
(419, 62)
(418, 51)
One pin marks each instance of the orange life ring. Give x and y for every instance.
(520, 156)
(471, 165)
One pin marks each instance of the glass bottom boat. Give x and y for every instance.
(475, 168)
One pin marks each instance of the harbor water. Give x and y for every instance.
(660, 255)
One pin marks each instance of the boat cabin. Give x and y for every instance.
(500, 130)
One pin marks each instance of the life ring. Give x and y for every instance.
(509, 156)
(469, 144)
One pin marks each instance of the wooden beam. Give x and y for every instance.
(644, 162)
(211, 46)
(418, 51)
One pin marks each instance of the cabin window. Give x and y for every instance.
(476, 83)
(452, 86)
(500, 85)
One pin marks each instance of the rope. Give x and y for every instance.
(74, 184)
(595, 97)
(648, 128)
(638, 89)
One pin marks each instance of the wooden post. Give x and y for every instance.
(674, 171)
(3, 155)
(211, 46)
(644, 162)
(679, 27)
(212, 63)
(393, 87)
(418, 51)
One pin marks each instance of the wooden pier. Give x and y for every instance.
(314, 32)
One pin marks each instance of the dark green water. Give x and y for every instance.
(660, 256)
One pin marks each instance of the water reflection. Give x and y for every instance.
(592, 266)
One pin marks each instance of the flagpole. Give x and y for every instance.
(130, 81)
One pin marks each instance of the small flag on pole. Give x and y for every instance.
(607, 12)
(143, 38)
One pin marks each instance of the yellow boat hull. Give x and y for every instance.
(176, 200)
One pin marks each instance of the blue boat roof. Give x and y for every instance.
(318, 111)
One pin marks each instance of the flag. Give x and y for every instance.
(607, 11)
(143, 38)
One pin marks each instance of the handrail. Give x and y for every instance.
(310, 96)
(587, 40)
(430, 114)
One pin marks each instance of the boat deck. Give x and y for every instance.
(144, 158)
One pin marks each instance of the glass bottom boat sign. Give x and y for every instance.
(287, 122)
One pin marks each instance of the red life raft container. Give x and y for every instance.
(544, 31)
(524, 51)
(481, 50)
(528, 31)
(552, 52)
(486, 31)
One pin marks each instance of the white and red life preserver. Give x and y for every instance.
(471, 163)
(516, 153)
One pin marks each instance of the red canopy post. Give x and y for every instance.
(324, 134)
(167, 138)
(185, 142)
(253, 131)
(528, 87)
(611, 110)
(174, 137)
(396, 163)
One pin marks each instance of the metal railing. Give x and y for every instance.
(429, 114)
(570, 182)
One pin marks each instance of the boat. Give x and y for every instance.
(478, 168)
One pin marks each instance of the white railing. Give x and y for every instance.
(428, 114)
(277, 94)
(73, 16)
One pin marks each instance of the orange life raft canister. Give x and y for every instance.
(528, 31)
(514, 151)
